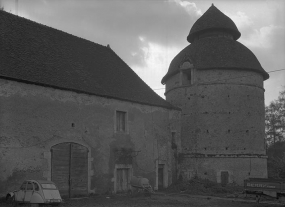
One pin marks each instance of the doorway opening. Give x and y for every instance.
(123, 174)
(224, 178)
(160, 176)
(69, 169)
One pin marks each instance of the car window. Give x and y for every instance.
(37, 187)
(29, 186)
(48, 185)
(23, 186)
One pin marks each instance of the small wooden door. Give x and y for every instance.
(123, 180)
(70, 169)
(160, 176)
(224, 178)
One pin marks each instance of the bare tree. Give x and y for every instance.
(276, 160)
(275, 136)
(275, 120)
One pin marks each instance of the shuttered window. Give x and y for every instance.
(121, 121)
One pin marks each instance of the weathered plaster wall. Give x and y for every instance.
(222, 114)
(239, 168)
(35, 118)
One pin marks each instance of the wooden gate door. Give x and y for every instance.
(70, 169)
(123, 181)
(78, 170)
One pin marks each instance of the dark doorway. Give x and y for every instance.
(224, 178)
(69, 164)
(160, 176)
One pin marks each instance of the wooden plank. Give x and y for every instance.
(60, 167)
(122, 182)
(79, 170)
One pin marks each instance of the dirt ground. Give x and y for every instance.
(194, 193)
(161, 200)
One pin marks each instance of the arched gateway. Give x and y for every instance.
(69, 168)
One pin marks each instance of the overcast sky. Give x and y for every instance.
(147, 34)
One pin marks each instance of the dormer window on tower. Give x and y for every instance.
(186, 73)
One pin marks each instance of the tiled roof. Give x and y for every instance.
(217, 53)
(213, 18)
(214, 51)
(38, 54)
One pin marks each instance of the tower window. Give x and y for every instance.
(186, 73)
(186, 77)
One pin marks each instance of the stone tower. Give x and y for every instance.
(218, 84)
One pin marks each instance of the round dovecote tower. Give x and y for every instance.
(218, 84)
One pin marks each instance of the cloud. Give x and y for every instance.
(268, 45)
(157, 59)
(189, 7)
(240, 19)
(268, 37)
(118, 23)
(273, 86)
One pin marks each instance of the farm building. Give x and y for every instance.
(218, 84)
(73, 112)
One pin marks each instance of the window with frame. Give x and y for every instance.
(121, 121)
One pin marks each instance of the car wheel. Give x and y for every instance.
(9, 199)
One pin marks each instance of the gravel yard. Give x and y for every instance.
(160, 200)
(163, 200)
(194, 193)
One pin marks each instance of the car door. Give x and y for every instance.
(29, 192)
(20, 194)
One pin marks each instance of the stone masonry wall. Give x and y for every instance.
(222, 115)
(35, 118)
(239, 168)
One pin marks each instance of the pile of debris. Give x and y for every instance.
(199, 186)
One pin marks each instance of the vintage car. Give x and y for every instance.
(36, 193)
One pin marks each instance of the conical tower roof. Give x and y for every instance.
(217, 52)
(213, 19)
